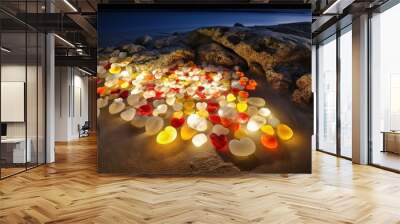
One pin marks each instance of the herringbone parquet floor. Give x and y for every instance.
(71, 191)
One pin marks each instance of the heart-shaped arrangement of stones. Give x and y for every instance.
(198, 103)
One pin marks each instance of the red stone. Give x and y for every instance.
(145, 110)
(235, 91)
(101, 90)
(214, 118)
(107, 66)
(212, 107)
(269, 142)
(177, 122)
(124, 94)
(115, 91)
(234, 127)
(220, 142)
(226, 122)
(243, 117)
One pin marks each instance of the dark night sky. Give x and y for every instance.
(121, 26)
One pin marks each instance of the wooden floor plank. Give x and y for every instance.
(71, 191)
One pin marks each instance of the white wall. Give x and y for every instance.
(71, 102)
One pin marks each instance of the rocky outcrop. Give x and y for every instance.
(303, 93)
(217, 55)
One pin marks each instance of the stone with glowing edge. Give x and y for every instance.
(199, 139)
(284, 132)
(128, 114)
(269, 142)
(116, 106)
(242, 147)
(166, 136)
(255, 123)
(187, 133)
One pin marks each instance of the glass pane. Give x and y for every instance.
(13, 86)
(327, 96)
(385, 84)
(346, 94)
(41, 98)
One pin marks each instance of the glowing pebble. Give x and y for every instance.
(102, 102)
(154, 125)
(230, 97)
(196, 122)
(115, 69)
(170, 100)
(284, 132)
(269, 142)
(268, 129)
(177, 114)
(255, 123)
(201, 105)
(214, 118)
(188, 105)
(139, 121)
(227, 112)
(220, 130)
(187, 133)
(252, 110)
(241, 106)
(128, 114)
(189, 111)
(273, 121)
(243, 118)
(133, 100)
(256, 101)
(162, 108)
(145, 110)
(220, 142)
(203, 113)
(199, 139)
(265, 112)
(240, 133)
(168, 135)
(212, 107)
(242, 147)
(149, 94)
(177, 106)
(116, 107)
(124, 85)
(177, 122)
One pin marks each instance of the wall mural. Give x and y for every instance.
(204, 91)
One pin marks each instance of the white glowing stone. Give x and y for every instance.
(177, 106)
(227, 112)
(265, 112)
(162, 108)
(220, 130)
(201, 105)
(252, 110)
(170, 100)
(149, 94)
(255, 123)
(128, 114)
(154, 125)
(116, 107)
(196, 122)
(139, 121)
(199, 139)
(133, 100)
(273, 121)
(102, 102)
(242, 147)
(256, 101)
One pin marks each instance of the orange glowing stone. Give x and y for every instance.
(243, 94)
(226, 122)
(187, 133)
(101, 90)
(269, 142)
(234, 127)
(268, 129)
(284, 132)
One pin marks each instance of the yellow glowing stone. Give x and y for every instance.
(240, 133)
(284, 132)
(188, 105)
(124, 85)
(241, 106)
(268, 129)
(167, 136)
(115, 69)
(187, 133)
(230, 97)
(177, 114)
(189, 111)
(202, 113)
